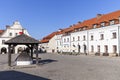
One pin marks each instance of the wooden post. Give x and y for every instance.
(37, 59)
(9, 55)
(32, 52)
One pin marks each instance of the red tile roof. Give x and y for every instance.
(97, 20)
(1, 31)
(44, 40)
(87, 23)
(48, 37)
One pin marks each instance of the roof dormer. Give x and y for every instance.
(112, 22)
(102, 24)
(94, 25)
(119, 19)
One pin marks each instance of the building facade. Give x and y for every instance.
(98, 36)
(10, 32)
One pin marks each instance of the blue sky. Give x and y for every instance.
(41, 17)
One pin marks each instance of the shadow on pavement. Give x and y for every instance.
(46, 61)
(15, 75)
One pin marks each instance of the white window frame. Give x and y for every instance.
(112, 22)
(95, 26)
(102, 24)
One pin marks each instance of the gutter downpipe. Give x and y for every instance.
(119, 40)
(88, 41)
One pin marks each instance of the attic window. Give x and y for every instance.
(102, 24)
(95, 25)
(76, 30)
(84, 28)
(79, 29)
(112, 22)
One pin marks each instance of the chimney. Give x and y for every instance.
(79, 22)
(99, 15)
(59, 30)
(70, 26)
(73, 24)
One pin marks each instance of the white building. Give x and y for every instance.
(49, 43)
(59, 43)
(99, 36)
(10, 32)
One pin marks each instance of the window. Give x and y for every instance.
(57, 43)
(16, 34)
(98, 48)
(67, 39)
(73, 45)
(114, 36)
(106, 49)
(84, 38)
(84, 28)
(92, 48)
(3, 41)
(78, 38)
(64, 40)
(76, 30)
(101, 36)
(95, 25)
(114, 49)
(78, 47)
(73, 38)
(91, 37)
(60, 43)
(112, 22)
(79, 29)
(10, 34)
(102, 24)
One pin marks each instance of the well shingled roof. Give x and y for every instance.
(22, 39)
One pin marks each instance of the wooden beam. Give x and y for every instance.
(9, 55)
(28, 46)
(32, 52)
(37, 59)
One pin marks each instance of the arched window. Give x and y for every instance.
(84, 38)
(91, 37)
(78, 38)
(3, 50)
(10, 34)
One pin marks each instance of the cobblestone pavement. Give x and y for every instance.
(65, 67)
